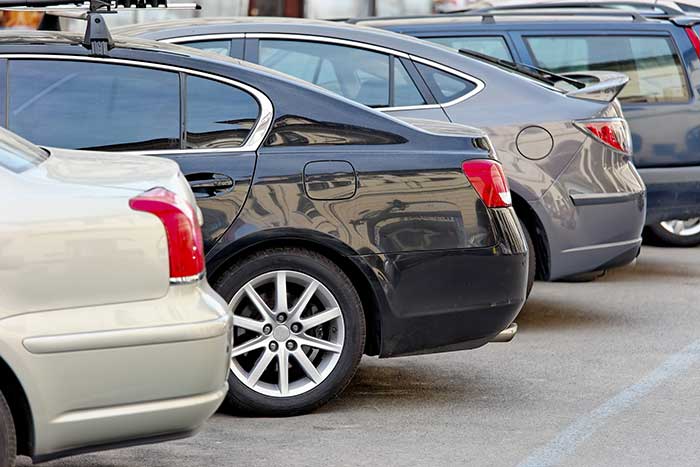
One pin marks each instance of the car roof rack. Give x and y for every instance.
(649, 9)
(489, 15)
(97, 36)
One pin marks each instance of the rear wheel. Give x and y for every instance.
(532, 259)
(677, 232)
(8, 440)
(299, 331)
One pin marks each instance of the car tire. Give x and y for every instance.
(8, 439)
(531, 258)
(333, 347)
(675, 233)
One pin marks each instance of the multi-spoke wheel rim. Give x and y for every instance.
(684, 228)
(288, 333)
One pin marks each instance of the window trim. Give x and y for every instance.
(479, 85)
(252, 143)
(585, 33)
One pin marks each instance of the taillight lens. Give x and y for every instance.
(185, 245)
(489, 181)
(694, 39)
(612, 132)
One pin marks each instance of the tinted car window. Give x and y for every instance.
(405, 91)
(218, 115)
(358, 74)
(19, 155)
(494, 46)
(222, 47)
(654, 68)
(84, 105)
(444, 86)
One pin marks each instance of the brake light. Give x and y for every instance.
(612, 132)
(185, 244)
(489, 181)
(694, 39)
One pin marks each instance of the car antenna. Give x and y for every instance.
(97, 36)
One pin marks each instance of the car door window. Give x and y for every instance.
(445, 86)
(405, 91)
(86, 105)
(358, 74)
(494, 46)
(218, 115)
(222, 47)
(651, 62)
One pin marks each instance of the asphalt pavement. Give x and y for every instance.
(601, 373)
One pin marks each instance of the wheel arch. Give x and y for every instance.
(359, 273)
(16, 397)
(538, 233)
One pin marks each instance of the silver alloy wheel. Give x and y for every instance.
(283, 314)
(684, 228)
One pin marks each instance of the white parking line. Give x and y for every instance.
(568, 440)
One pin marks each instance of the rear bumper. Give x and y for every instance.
(451, 299)
(590, 233)
(121, 374)
(672, 193)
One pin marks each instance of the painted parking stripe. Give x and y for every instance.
(566, 443)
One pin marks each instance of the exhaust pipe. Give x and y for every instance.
(507, 334)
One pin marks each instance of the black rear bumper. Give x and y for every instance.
(447, 300)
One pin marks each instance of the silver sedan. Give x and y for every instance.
(109, 332)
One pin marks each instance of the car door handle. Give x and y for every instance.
(206, 185)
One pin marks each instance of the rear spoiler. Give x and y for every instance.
(603, 86)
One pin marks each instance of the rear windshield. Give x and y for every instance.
(17, 154)
(651, 62)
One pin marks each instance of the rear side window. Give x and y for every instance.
(222, 47)
(495, 46)
(85, 105)
(218, 115)
(358, 74)
(651, 62)
(445, 86)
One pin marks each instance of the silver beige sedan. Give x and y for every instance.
(109, 333)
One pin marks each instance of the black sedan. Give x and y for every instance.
(332, 229)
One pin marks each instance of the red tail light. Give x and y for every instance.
(489, 181)
(613, 132)
(694, 39)
(185, 245)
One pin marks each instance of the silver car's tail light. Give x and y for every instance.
(185, 244)
(612, 132)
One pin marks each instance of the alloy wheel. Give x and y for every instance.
(684, 228)
(288, 333)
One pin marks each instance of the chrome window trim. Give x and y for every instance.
(252, 143)
(203, 37)
(479, 85)
(477, 82)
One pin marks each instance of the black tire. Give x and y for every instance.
(244, 400)
(532, 259)
(8, 439)
(656, 234)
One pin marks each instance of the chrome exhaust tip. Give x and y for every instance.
(507, 334)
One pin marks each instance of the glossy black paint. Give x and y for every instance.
(389, 202)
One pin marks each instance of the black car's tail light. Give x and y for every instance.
(184, 237)
(489, 181)
(612, 132)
